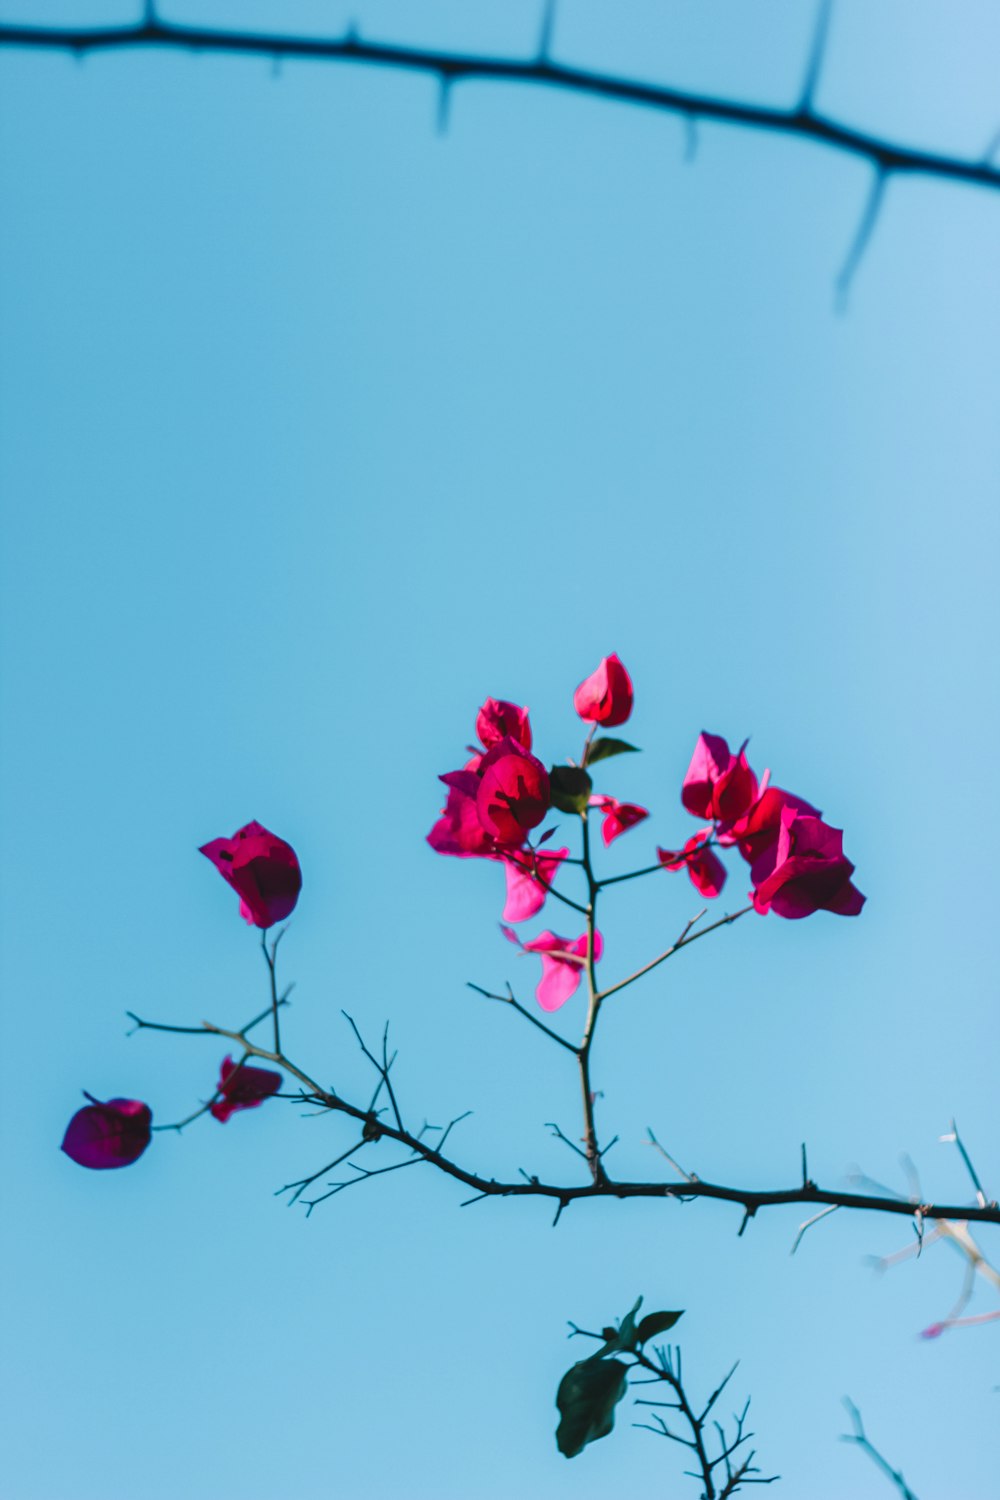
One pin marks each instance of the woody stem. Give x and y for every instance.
(593, 1009)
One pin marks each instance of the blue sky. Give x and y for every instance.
(317, 428)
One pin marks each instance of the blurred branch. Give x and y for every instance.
(800, 121)
(858, 1436)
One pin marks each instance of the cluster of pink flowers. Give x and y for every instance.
(797, 863)
(264, 872)
(495, 801)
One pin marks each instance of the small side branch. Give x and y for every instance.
(685, 940)
(814, 67)
(862, 236)
(723, 1474)
(953, 1135)
(859, 1437)
(522, 1010)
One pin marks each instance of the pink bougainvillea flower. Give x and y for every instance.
(605, 697)
(114, 1134)
(718, 784)
(563, 962)
(498, 720)
(618, 816)
(524, 871)
(242, 1088)
(263, 871)
(757, 830)
(707, 872)
(513, 792)
(458, 830)
(805, 870)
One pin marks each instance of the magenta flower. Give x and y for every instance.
(524, 869)
(458, 830)
(757, 830)
(563, 962)
(718, 784)
(114, 1134)
(707, 872)
(263, 871)
(498, 720)
(805, 870)
(605, 697)
(513, 793)
(618, 816)
(242, 1088)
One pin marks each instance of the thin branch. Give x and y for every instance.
(810, 1222)
(688, 1176)
(666, 1368)
(885, 155)
(382, 1068)
(593, 1008)
(299, 1187)
(363, 1176)
(179, 1125)
(685, 940)
(548, 27)
(635, 874)
(862, 236)
(953, 1135)
(549, 889)
(522, 1010)
(859, 1436)
(203, 1029)
(816, 55)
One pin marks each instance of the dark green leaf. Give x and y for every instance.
(601, 749)
(570, 788)
(620, 1340)
(627, 1335)
(587, 1397)
(655, 1323)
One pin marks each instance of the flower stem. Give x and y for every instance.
(593, 1010)
(270, 958)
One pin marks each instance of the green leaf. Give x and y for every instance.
(654, 1323)
(627, 1335)
(622, 1340)
(570, 788)
(587, 1397)
(602, 749)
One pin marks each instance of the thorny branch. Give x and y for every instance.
(802, 119)
(685, 1188)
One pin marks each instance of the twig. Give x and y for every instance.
(522, 1010)
(810, 1222)
(953, 1135)
(684, 941)
(667, 1369)
(862, 236)
(859, 1436)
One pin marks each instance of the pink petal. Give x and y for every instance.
(525, 896)
(559, 982)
